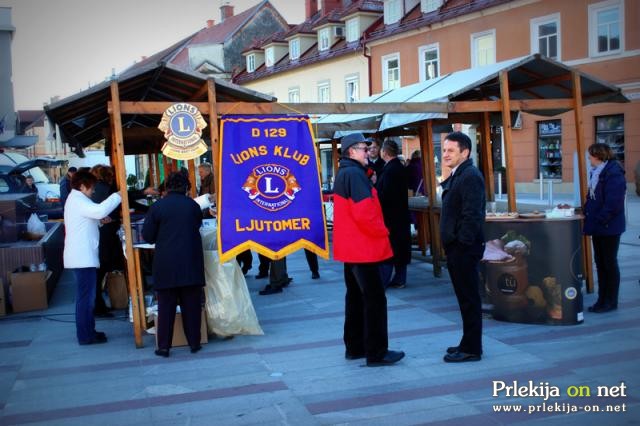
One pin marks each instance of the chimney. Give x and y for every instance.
(328, 6)
(210, 23)
(226, 11)
(310, 7)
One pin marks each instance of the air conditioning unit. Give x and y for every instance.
(338, 32)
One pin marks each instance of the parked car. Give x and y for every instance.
(12, 180)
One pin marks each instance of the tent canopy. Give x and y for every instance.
(530, 77)
(83, 118)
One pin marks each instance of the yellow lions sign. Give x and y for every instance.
(182, 125)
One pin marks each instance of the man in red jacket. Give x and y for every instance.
(361, 241)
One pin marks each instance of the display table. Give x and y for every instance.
(228, 306)
(542, 284)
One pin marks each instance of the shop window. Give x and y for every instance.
(550, 149)
(610, 130)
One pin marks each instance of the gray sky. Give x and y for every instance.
(60, 47)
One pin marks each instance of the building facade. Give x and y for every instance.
(422, 40)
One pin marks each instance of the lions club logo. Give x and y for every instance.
(182, 125)
(271, 187)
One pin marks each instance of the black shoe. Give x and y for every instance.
(355, 355)
(462, 357)
(98, 337)
(453, 349)
(195, 349)
(602, 309)
(270, 290)
(397, 285)
(103, 314)
(261, 276)
(315, 275)
(391, 357)
(287, 282)
(162, 352)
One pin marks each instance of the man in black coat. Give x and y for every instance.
(393, 193)
(461, 224)
(173, 225)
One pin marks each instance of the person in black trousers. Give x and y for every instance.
(604, 221)
(173, 225)
(461, 230)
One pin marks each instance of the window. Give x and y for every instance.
(545, 36)
(550, 149)
(606, 27)
(429, 61)
(294, 95)
(391, 71)
(324, 37)
(251, 63)
(324, 92)
(269, 56)
(353, 30)
(352, 86)
(392, 11)
(430, 5)
(483, 48)
(294, 49)
(610, 130)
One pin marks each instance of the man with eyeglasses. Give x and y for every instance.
(361, 241)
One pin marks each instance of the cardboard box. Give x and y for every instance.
(179, 339)
(28, 291)
(3, 308)
(117, 289)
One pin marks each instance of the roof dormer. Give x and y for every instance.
(360, 17)
(274, 51)
(300, 43)
(393, 11)
(254, 59)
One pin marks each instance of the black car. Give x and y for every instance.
(12, 179)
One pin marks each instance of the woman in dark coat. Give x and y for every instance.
(173, 225)
(393, 186)
(604, 221)
(110, 247)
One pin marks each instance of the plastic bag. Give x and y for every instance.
(229, 308)
(35, 225)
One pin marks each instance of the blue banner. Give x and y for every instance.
(270, 198)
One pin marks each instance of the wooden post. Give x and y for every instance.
(582, 175)
(118, 144)
(335, 158)
(214, 132)
(430, 184)
(153, 171)
(508, 147)
(487, 157)
(191, 165)
(167, 165)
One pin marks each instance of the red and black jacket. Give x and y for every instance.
(359, 233)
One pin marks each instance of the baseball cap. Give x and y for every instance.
(353, 139)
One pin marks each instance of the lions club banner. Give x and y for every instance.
(270, 198)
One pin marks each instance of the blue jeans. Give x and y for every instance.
(85, 302)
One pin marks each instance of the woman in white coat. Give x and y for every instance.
(82, 218)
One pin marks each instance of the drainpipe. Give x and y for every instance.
(364, 53)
